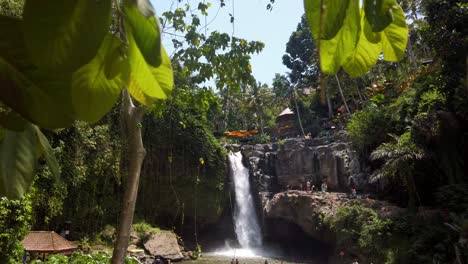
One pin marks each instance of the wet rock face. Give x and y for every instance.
(296, 161)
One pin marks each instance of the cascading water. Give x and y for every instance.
(245, 219)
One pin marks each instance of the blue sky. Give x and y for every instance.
(254, 22)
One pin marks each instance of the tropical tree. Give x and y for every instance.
(301, 57)
(400, 157)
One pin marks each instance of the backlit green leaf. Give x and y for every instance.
(145, 30)
(65, 35)
(379, 13)
(141, 82)
(365, 54)
(93, 95)
(163, 74)
(43, 99)
(48, 153)
(395, 37)
(334, 13)
(334, 52)
(17, 162)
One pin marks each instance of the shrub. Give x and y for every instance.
(361, 230)
(369, 127)
(431, 100)
(145, 230)
(15, 217)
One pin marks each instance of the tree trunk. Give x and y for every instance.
(342, 96)
(329, 103)
(132, 117)
(298, 114)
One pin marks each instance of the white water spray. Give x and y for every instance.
(245, 220)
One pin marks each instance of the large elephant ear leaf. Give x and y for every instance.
(395, 37)
(379, 13)
(163, 74)
(13, 121)
(40, 98)
(93, 94)
(12, 46)
(46, 150)
(366, 52)
(145, 29)
(17, 162)
(334, 52)
(64, 35)
(141, 81)
(333, 16)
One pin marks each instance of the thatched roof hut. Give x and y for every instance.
(47, 242)
(285, 123)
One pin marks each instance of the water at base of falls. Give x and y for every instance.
(237, 253)
(245, 219)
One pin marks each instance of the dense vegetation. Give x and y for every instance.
(407, 120)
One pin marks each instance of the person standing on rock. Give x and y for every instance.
(308, 186)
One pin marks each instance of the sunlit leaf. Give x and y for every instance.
(163, 74)
(365, 54)
(333, 16)
(334, 52)
(43, 99)
(145, 30)
(379, 13)
(395, 37)
(17, 162)
(64, 35)
(48, 153)
(93, 95)
(141, 82)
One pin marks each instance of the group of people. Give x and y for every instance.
(311, 188)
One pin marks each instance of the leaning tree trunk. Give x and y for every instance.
(132, 117)
(342, 95)
(298, 113)
(329, 103)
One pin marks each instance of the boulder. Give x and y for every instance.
(164, 244)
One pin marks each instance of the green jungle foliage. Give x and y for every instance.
(15, 218)
(184, 172)
(426, 237)
(90, 185)
(360, 229)
(81, 258)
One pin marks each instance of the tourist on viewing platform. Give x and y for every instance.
(324, 187)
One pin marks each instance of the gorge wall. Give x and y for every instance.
(295, 161)
(291, 163)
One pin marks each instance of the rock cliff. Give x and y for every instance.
(295, 161)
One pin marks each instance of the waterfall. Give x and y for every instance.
(245, 219)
